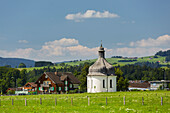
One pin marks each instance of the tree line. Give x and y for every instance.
(164, 53)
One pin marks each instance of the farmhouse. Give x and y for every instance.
(101, 76)
(139, 85)
(57, 82)
(30, 86)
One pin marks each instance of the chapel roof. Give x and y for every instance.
(101, 67)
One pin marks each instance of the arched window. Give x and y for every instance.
(91, 83)
(110, 83)
(103, 83)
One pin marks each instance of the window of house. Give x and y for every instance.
(44, 83)
(40, 88)
(103, 83)
(66, 88)
(111, 83)
(66, 82)
(52, 88)
(59, 88)
(71, 86)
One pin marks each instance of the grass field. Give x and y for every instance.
(97, 103)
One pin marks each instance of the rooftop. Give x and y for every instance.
(101, 67)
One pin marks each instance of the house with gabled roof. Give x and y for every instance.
(30, 86)
(56, 82)
(139, 85)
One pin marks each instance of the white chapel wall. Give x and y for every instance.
(95, 84)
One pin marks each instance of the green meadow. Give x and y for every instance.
(113, 61)
(89, 103)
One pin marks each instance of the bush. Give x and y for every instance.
(73, 91)
(10, 92)
(135, 90)
(43, 63)
(22, 65)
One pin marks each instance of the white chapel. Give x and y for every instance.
(101, 76)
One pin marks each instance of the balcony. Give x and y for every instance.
(44, 85)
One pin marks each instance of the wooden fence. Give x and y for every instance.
(86, 100)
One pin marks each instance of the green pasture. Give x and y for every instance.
(61, 103)
(113, 61)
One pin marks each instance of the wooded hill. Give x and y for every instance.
(14, 62)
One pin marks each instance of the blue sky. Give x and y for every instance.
(60, 30)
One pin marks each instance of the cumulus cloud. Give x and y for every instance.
(70, 49)
(22, 41)
(57, 50)
(161, 41)
(90, 14)
(21, 53)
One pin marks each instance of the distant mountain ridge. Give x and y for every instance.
(14, 62)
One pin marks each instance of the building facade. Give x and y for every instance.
(56, 82)
(139, 85)
(101, 76)
(163, 84)
(30, 86)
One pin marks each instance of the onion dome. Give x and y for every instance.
(101, 66)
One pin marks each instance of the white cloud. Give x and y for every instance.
(70, 49)
(90, 14)
(57, 50)
(20, 53)
(22, 41)
(161, 41)
(119, 44)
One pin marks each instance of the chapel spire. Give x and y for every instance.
(101, 51)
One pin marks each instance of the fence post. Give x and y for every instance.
(25, 102)
(124, 100)
(142, 101)
(71, 101)
(106, 100)
(40, 101)
(88, 101)
(67, 99)
(161, 101)
(12, 101)
(55, 101)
